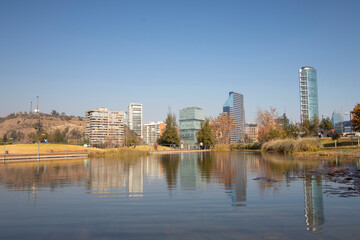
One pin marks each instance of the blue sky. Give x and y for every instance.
(81, 55)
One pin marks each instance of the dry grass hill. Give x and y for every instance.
(21, 126)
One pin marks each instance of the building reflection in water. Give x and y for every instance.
(189, 172)
(126, 177)
(230, 169)
(314, 205)
(122, 176)
(238, 191)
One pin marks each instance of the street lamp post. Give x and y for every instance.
(350, 113)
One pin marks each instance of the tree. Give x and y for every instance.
(171, 134)
(310, 128)
(76, 134)
(54, 113)
(222, 126)
(356, 118)
(306, 128)
(205, 134)
(326, 125)
(292, 130)
(315, 125)
(268, 125)
(58, 137)
(131, 139)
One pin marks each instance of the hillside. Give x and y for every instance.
(21, 127)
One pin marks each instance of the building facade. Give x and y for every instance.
(234, 105)
(252, 132)
(104, 126)
(189, 124)
(337, 121)
(152, 131)
(134, 118)
(308, 93)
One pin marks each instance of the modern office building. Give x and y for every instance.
(152, 131)
(252, 131)
(104, 126)
(337, 121)
(189, 123)
(347, 127)
(134, 118)
(308, 93)
(234, 105)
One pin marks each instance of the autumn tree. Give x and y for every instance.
(268, 125)
(205, 134)
(222, 126)
(356, 118)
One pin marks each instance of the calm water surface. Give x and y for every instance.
(187, 196)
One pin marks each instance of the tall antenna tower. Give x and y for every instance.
(37, 104)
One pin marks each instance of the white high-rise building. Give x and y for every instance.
(152, 131)
(102, 125)
(134, 118)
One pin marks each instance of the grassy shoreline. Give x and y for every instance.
(307, 147)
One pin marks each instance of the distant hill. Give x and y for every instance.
(22, 126)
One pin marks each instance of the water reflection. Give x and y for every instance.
(228, 175)
(314, 205)
(109, 177)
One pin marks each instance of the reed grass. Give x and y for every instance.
(293, 145)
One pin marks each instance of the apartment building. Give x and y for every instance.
(252, 132)
(135, 118)
(152, 131)
(104, 126)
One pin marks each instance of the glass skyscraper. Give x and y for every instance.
(308, 93)
(234, 105)
(337, 121)
(189, 123)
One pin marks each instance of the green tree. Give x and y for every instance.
(356, 118)
(171, 134)
(292, 130)
(315, 125)
(310, 128)
(277, 133)
(131, 139)
(205, 134)
(306, 128)
(54, 113)
(326, 125)
(58, 137)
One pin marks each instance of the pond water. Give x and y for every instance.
(222, 195)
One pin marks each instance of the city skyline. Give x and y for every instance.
(86, 55)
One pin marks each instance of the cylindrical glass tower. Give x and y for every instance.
(308, 93)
